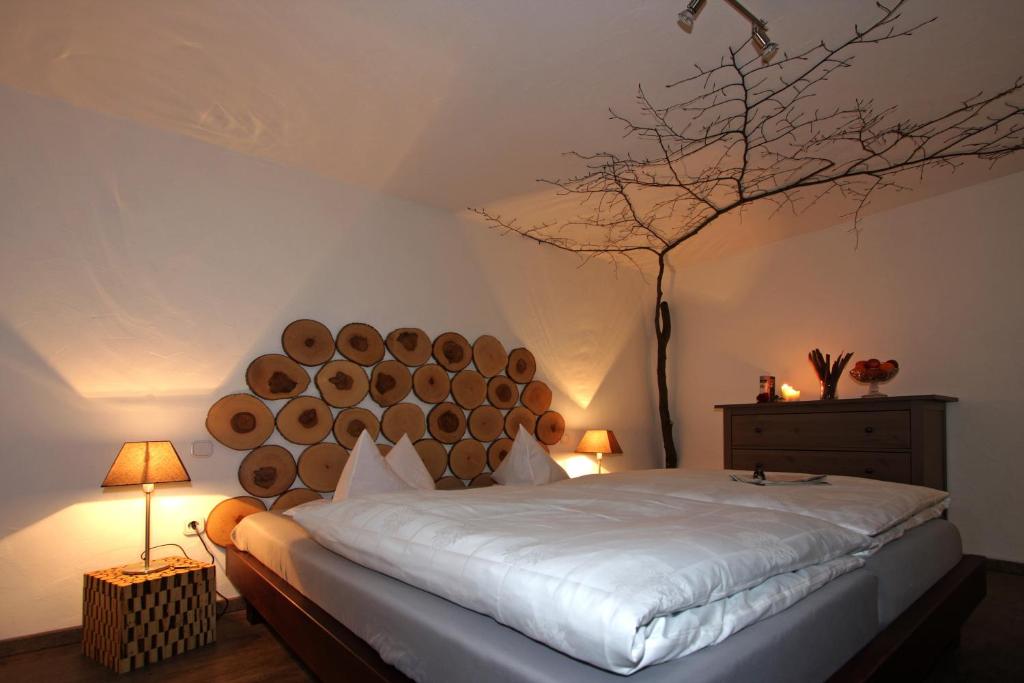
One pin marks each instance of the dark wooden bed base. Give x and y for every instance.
(903, 651)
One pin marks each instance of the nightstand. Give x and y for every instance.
(129, 621)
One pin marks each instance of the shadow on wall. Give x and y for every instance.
(61, 444)
(132, 278)
(577, 319)
(134, 294)
(57, 521)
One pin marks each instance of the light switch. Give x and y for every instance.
(202, 449)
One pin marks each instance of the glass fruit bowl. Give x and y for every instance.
(874, 372)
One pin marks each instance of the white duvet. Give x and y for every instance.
(880, 510)
(621, 579)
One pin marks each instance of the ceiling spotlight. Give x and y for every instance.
(763, 43)
(759, 29)
(689, 15)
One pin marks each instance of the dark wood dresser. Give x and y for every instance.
(897, 438)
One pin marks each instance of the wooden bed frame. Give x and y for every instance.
(905, 650)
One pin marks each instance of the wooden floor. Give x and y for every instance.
(241, 654)
(992, 642)
(992, 649)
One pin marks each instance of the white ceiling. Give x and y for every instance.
(453, 103)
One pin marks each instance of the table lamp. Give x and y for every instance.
(146, 463)
(599, 442)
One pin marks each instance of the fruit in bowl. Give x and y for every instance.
(873, 372)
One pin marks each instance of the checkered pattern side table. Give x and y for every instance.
(129, 621)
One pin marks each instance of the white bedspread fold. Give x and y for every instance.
(619, 579)
(881, 510)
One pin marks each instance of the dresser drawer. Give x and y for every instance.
(888, 429)
(885, 466)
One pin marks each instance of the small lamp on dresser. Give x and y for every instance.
(599, 443)
(146, 463)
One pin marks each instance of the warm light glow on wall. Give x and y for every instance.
(115, 524)
(108, 531)
(576, 335)
(578, 465)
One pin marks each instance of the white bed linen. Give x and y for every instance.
(881, 510)
(619, 579)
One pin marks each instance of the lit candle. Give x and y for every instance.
(789, 393)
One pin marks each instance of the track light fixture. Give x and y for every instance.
(689, 15)
(765, 46)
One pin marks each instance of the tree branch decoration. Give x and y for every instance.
(742, 133)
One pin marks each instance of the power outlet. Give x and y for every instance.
(201, 527)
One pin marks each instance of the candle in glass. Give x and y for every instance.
(789, 393)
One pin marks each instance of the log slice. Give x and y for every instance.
(486, 423)
(273, 376)
(390, 382)
(537, 397)
(226, 514)
(519, 416)
(550, 428)
(433, 455)
(290, 499)
(450, 484)
(502, 392)
(342, 383)
(522, 366)
(430, 383)
(482, 480)
(350, 424)
(240, 421)
(360, 343)
(497, 452)
(410, 345)
(489, 355)
(467, 458)
(469, 389)
(267, 471)
(321, 464)
(446, 422)
(403, 419)
(305, 420)
(452, 352)
(308, 342)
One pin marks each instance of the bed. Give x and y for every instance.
(347, 621)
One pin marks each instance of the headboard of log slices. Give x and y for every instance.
(461, 404)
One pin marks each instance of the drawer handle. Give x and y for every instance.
(758, 430)
(869, 430)
(869, 470)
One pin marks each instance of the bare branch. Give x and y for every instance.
(742, 133)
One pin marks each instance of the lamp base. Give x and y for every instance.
(140, 567)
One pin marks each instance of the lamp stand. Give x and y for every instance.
(600, 457)
(145, 567)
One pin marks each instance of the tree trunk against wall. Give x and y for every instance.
(745, 132)
(663, 332)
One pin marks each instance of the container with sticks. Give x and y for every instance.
(828, 372)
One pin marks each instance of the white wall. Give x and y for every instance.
(936, 285)
(141, 271)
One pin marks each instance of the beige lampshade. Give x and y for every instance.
(599, 441)
(146, 462)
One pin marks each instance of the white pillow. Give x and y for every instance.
(366, 472)
(527, 464)
(408, 465)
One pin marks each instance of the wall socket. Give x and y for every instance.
(189, 531)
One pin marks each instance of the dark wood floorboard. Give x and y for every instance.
(241, 654)
(991, 650)
(992, 641)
